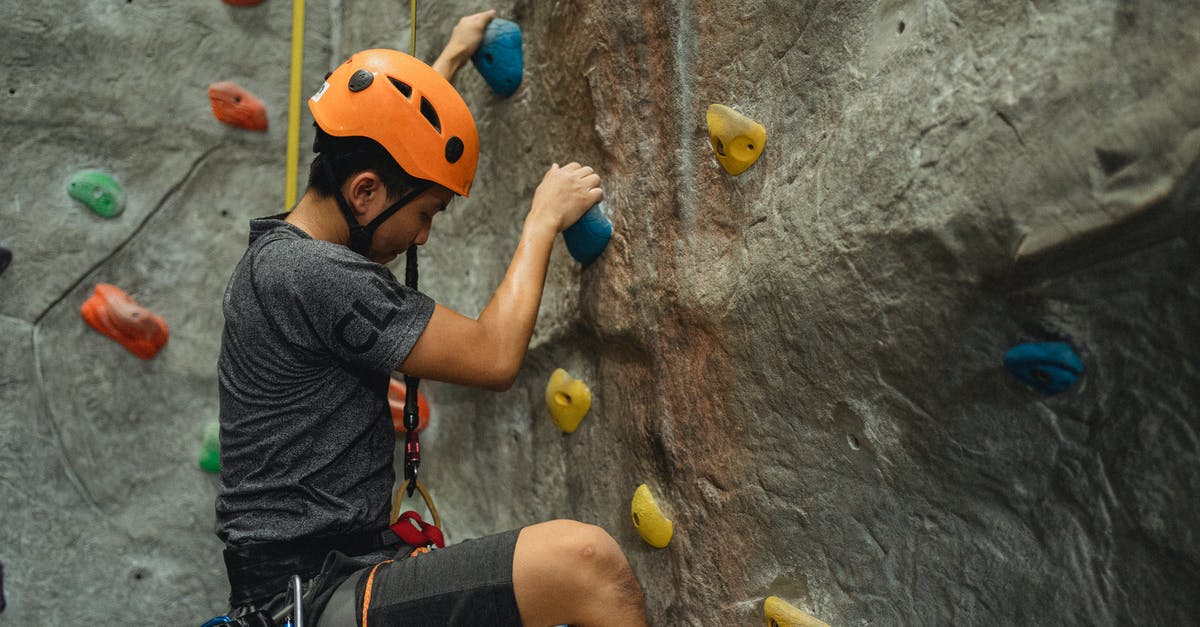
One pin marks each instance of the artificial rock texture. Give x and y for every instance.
(803, 362)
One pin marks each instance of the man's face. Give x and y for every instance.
(408, 226)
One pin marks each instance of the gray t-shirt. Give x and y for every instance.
(312, 331)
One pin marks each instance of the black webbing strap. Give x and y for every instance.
(260, 571)
(412, 444)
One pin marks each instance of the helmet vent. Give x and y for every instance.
(402, 87)
(430, 114)
(454, 150)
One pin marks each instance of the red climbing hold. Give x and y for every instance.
(234, 105)
(112, 312)
(397, 394)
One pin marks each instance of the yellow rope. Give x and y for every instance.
(398, 503)
(412, 46)
(293, 147)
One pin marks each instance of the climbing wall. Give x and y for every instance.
(803, 363)
(107, 517)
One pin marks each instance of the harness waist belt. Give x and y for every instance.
(258, 572)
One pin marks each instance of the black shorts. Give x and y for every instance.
(469, 583)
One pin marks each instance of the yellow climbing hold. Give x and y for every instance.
(737, 140)
(568, 400)
(779, 614)
(649, 520)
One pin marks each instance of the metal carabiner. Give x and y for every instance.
(293, 612)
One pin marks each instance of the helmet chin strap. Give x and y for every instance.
(361, 236)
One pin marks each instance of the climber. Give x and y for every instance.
(314, 326)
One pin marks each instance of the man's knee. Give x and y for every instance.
(592, 547)
(579, 551)
(570, 572)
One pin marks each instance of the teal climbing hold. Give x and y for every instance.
(588, 237)
(1048, 367)
(5, 258)
(210, 447)
(499, 58)
(99, 191)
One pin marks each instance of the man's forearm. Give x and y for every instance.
(512, 312)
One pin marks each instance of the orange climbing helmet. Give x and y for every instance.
(409, 109)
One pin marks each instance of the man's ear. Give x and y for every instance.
(363, 189)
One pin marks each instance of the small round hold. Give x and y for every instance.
(361, 80)
(454, 150)
(1047, 367)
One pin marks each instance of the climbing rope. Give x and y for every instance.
(412, 443)
(293, 147)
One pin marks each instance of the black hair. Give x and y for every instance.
(351, 155)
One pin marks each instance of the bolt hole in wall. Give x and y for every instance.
(900, 27)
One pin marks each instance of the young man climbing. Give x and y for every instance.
(314, 325)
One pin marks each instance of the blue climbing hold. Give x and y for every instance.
(499, 58)
(5, 258)
(1048, 367)
(588, 237)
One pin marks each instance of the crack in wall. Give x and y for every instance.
(685, 62)
(68, 466)
(136, 231)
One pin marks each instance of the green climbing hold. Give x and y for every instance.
(210, 447)
(99, 191)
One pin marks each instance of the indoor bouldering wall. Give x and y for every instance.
(803, 363)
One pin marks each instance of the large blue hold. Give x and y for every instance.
(1048, 367)
(499, 58)
(588, 237)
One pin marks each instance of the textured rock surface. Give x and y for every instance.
(803, 362)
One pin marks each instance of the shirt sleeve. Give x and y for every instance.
(332, 301)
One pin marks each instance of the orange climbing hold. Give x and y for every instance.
(112, 312)
(397, 395)
(234, 105)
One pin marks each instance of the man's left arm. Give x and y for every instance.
(464, 41)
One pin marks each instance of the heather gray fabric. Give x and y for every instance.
(468, 584)
(312, 331)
